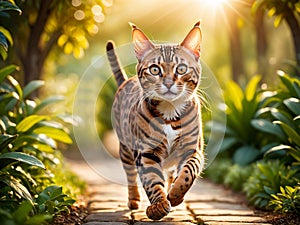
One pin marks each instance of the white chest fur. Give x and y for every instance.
(171, 134)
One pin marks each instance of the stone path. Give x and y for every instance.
(206, 204)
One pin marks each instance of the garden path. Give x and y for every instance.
(206, 203)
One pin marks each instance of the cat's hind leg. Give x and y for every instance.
(131, 173)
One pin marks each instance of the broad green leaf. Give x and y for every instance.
(3, 41)
(3, 52)
(229, 142)
(251, 88)
(33, 139)
(6, 34)
(32, 86)
(10, 157)
(245, 155)
(293, 104)
(16, 85)
(6, 71)
(56, 134)
(5, 139)
(48, 101)
(291, 133)
(287, 81)
(289, 149)
(29, 122)
(7, 5)
(282, 116)
(268, 127)
(234, 95)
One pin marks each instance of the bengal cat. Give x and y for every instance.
(157, 117)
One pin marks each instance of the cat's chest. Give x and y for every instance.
(171, 135)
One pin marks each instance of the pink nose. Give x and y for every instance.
(168, 83)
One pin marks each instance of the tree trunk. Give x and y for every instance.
(237, 65)
(261, 44)
(295, 30)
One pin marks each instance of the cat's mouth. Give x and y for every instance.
(169, 95)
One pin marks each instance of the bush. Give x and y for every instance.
(242, 143)
(287, 201)
(236, 176)
(266, 179)
(280, 118)
(29, 158)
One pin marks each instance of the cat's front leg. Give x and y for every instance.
(152, 178)
(188, 173)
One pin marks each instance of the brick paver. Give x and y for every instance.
(206, 204)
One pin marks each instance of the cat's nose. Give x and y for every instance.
(168, 83)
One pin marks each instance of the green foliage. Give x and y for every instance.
(287, 201)
(242, 142)
(236, 176)
(29, 157)
(280, 118)
(5, 36)
(218, 169)
(266, 179)
(278, 8)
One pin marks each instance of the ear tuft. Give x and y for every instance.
(193, 40)
(133, 26)
(142, 44)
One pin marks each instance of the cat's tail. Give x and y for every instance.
(119, 74)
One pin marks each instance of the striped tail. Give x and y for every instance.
(119, 74)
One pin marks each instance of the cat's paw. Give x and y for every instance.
(158, 210)
(175, 199)
(133, 204)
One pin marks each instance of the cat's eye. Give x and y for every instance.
(181, 69)
(154, 70)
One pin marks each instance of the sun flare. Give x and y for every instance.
(214, 4)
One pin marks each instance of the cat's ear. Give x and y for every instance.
(193, 40)
(142, 44)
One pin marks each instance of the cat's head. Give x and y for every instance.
(168, 72)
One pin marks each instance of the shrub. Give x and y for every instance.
(266, 179)
(281, 119)
(236, 176)
(242, 142)
(287, 201)
(28, 154)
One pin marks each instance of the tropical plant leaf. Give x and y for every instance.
(6, 71)
(29, 122)
(7, 35)
(251, 89)
(16, 85)
(13, 183)
(7, 5)
(291, 133)
(245, 154)
(56, 134)
(268, 127)
(48, 101)
(10, 157)
(5, 139)
(32, 86)
(292, 151)
(293, 104)
(282, 116)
